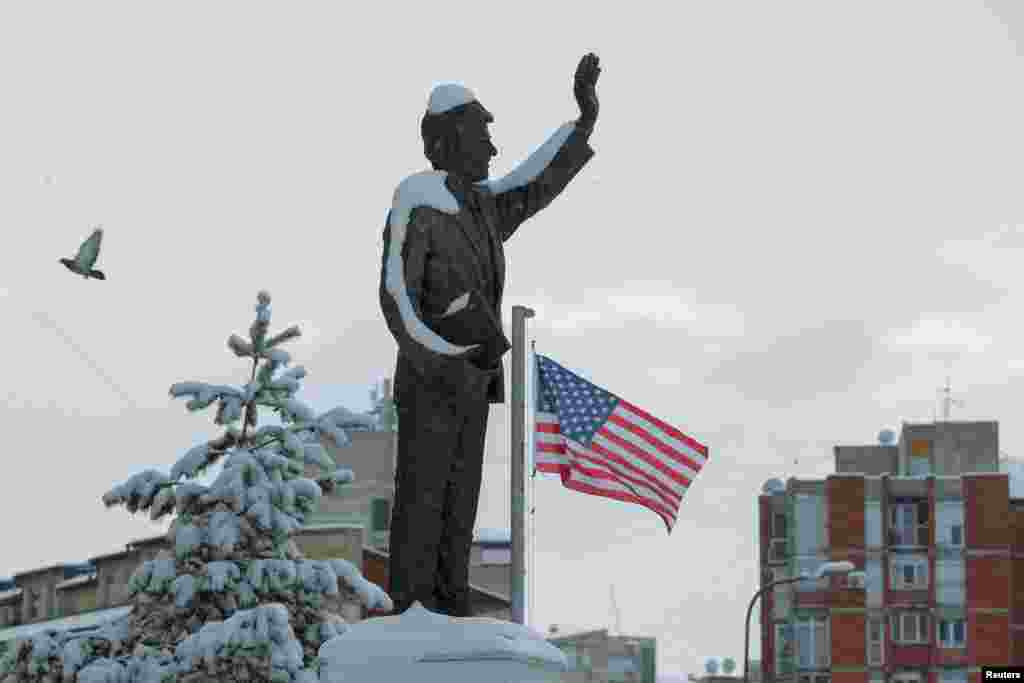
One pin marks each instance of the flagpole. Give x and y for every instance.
(531, 423)
(518, 457)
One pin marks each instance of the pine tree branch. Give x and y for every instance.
(248, 404)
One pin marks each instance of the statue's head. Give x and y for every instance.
(455, 135)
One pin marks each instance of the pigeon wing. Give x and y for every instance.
(90, 250)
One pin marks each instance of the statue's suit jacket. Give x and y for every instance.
(444, 237)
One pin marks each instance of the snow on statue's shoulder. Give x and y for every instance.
(420, 189)
(426, 188)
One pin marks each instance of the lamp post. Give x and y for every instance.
(827, 569)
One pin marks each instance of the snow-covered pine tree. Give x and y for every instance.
(235, 600)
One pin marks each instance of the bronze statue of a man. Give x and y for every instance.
(440, 291)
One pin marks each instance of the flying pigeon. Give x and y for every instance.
(86, 258)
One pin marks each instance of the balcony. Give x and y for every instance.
(778, 550)
(909, 524)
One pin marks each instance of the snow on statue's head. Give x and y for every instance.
(454, 130)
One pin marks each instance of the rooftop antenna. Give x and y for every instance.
(948, 401)
(616, 613)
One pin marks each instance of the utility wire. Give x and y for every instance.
(47, 321)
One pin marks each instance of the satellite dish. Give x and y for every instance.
(887, 437)
(711, 666)
(773, 486)
(728, 665)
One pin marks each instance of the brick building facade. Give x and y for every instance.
(940, 541)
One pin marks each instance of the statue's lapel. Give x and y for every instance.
(473, 238)
(470, 232)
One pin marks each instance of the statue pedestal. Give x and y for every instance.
(427, 647)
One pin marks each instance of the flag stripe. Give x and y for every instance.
(609, 486)
(624, 471)
(677, 450)
(690, 442)
(584, 484)
(613, 453)
(644, 438)
(629, 441)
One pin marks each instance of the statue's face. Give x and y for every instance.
(475, 149)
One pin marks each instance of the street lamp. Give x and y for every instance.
(827, 569)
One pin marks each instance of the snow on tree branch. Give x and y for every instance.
(242, 348)
(136, 493)
(292, 332)
(231, 556)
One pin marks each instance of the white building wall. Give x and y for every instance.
(810, 538)
(873, 523)
(949, 586)
(873, 581)
(948, 513)
(810, 524)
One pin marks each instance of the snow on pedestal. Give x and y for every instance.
(427, 647)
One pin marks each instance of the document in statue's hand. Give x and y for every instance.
(474, 323)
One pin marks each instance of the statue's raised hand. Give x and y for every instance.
(585, 89)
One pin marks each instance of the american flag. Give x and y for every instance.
(605, 446)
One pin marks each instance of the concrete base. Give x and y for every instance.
(426, 647)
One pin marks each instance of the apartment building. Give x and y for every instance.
(938, 541)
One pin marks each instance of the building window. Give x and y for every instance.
(956, 535)
(380, 514)
(777, 550)
(778, 525)
(876, 647)
(908, 523)
(814, 678)
(813, 646)
(498, 555)
(620, 666)
(906, 677)
(576, 656)
(777, 542)
(35, 604)
(952, 633)
(908, 574)
(909, 628)
(919, 461)
(783, 646)
(110, 590)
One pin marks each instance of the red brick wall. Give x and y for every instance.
(845, 512)
(988, 582)
(1017, 648)
(987, 511)
(988, 639)
(375, 570)
(765, 532)
(1017, 591)
(849, 642)
(951, 657)
(1017, 532)
(910, 655)
(764, 524)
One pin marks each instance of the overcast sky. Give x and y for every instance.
(800, 219)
